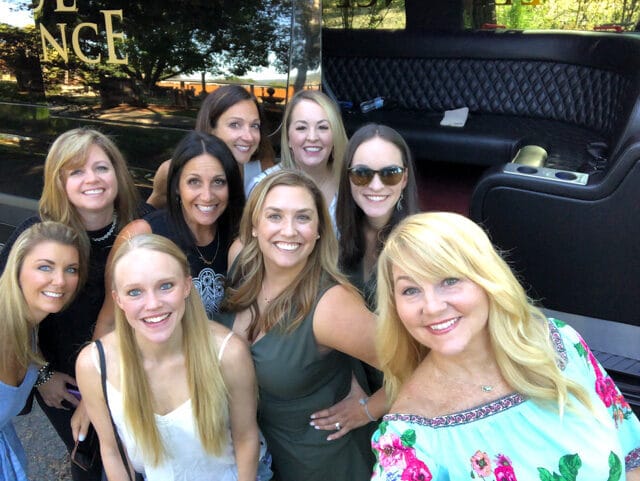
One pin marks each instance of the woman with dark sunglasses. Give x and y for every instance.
(377, 190)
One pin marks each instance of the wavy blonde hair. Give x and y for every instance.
(206, 384)
(336, 158)
(70, 150)
(16, 325)
(437, 245)
(246, 277)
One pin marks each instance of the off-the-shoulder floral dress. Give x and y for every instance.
(517, 439)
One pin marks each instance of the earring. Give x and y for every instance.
(399, 204)
(318, 237)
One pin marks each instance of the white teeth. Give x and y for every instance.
(243, 148)
(94, 191)
(313, 149)
(154, 320)
(444, 325)
(287, 246)
(376, 198)
(57, 295)
(206, 208)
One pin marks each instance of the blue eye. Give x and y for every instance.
(134, 292)
(166, 286)
(304, 217)
(255, 126)
(274, 216)
(72, 270)
(409, 291)
(75, 172)
(45, 268)
(102, 168)
(450, 281)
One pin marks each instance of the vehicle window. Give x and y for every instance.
(138, 71)
(588, 15)
(364, 14)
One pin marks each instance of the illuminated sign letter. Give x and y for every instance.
(111, 36)
(45, 35)
(76, 43)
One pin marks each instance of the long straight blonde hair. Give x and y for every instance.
(437, 245)
(209, 396)
(16, 325)
(246, 277)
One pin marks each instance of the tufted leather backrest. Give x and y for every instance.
(581, 95)
(591, 80)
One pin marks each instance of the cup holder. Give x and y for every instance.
(546, 173)
(566, 175)
(525, 169)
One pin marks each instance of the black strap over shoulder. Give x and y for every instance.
(103, 376)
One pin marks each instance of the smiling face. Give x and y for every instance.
(150, 288)
(239, 128)
(449, 316)
(310, 135)
(376, 199)
(92, 187)
(49, 278)
(287, 228)
(203, 191)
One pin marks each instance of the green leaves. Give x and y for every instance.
(569, 465)
(615, 467)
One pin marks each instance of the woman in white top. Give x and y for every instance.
(181, 389)
(314, 141)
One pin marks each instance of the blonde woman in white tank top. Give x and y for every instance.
(181, 389)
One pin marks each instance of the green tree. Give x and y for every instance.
(19, 56)
(164, 38)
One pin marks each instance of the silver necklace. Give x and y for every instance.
(203, 259)
(109, 232)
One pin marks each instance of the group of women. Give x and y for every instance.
(245, 337)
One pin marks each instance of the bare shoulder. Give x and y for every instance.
(234, 251)
(134, 228)
(341, 303)
(88, 356)
(339, 297)
(235, 348)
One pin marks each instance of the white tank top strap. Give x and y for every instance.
(224, 345)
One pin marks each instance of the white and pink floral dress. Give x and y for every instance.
(517, 439)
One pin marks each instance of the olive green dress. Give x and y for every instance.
(295, 379)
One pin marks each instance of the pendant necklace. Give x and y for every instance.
(109, 232)
(203, 259)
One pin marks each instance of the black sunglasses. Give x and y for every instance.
(389, 175)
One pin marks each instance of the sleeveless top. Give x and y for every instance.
(186, 459)
(208, 279)
(13, 460)
(295, 379)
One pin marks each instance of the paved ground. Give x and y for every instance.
(46, 454)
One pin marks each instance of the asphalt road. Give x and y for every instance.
(46, 454)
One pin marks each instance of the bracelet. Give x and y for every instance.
(363, 402)
(44, 374)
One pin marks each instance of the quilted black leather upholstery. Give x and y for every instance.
(564, 92)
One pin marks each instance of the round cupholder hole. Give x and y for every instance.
(523, 169)
(566, 176)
